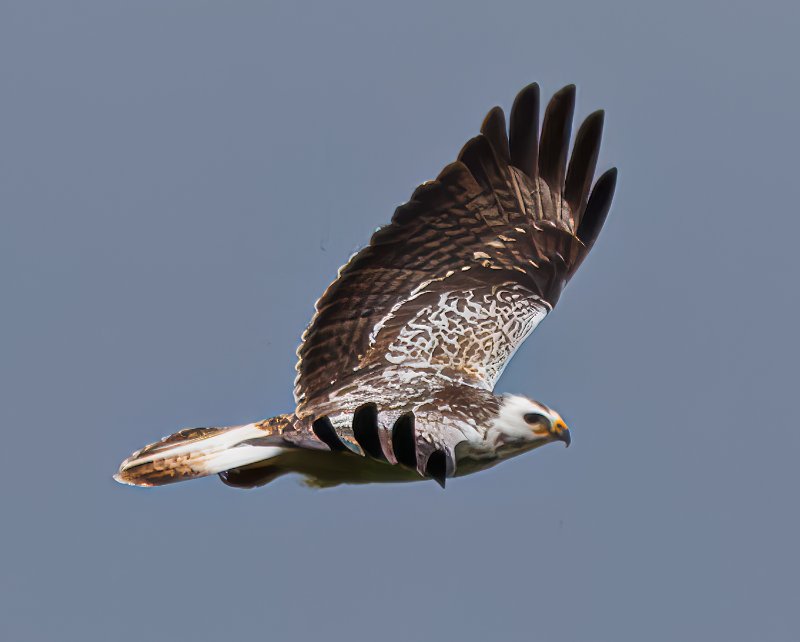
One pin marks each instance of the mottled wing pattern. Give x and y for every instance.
(469, 266)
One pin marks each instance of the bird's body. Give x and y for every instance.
(397, 369)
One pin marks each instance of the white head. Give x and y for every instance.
(522, 422)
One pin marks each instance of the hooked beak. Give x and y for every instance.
(561, 432)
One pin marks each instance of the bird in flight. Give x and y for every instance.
(397, 369)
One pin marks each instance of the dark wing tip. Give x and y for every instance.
(436, 467)
(556, 130)
(473, 156)
(325, 432)
(564, 97)
(524, 130)
(494, 128)
(583, 162)
(599, 114)
(531, 89)
(404, 440)
(365, 430)
(597, 208)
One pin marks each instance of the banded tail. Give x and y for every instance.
(197, 452)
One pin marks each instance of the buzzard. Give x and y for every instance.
(397, 369)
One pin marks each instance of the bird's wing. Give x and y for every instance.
(469, 266)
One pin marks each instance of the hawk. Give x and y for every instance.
(397, 369)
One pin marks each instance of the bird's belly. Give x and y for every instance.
(324, 468)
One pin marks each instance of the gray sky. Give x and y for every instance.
(178, 183)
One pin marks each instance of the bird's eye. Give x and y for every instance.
(535, 418)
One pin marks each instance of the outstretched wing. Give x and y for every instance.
(471, 264)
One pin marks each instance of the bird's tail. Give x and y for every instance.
(197, 452)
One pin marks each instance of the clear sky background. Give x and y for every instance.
(179, 181)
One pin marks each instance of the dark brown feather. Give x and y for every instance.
(597, 208)
(436, 467)
(494, 129)
(404, 440)
(365, 430)
(524, 131)
(554, 146)
(582, 164)
(325, 432)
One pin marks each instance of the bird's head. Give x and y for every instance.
(523, 422)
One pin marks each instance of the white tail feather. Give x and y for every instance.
(196, 453)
